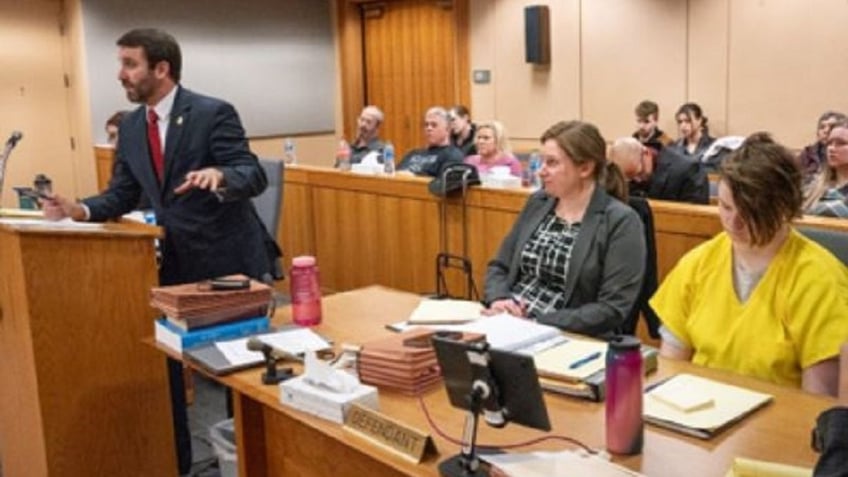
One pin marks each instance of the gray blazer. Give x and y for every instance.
(604, 275)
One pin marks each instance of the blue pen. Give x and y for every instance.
(584, 360)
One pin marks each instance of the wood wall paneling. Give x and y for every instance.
(632, 51)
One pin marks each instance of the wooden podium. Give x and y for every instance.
(80, 394)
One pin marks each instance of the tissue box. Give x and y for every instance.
(501, 182)
(326, 404)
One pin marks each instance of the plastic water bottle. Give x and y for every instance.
(389, 159)
(289, 152)
(624, 426)
(343, 156)
(305, 291)
(534, 165)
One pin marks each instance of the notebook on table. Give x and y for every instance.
(699, 406)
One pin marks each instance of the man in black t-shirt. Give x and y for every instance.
(439, 153)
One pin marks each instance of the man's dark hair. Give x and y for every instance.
(647, 108)
(157, 46)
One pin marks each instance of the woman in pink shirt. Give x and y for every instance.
(493, 149)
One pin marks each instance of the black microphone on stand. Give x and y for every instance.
(10, 144)
(272, 375)
(13, 140)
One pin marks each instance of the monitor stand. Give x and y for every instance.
(467, 464)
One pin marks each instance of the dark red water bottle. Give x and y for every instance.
(305, 291)
(624, 396)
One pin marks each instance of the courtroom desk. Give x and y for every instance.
(276, 440)
(376, 230)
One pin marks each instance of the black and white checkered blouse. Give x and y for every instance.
(544, 265)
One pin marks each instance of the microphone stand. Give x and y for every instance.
(3, 156)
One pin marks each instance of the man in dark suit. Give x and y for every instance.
(188, 155)
(674, 177)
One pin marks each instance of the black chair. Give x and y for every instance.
(649, 283)
(836, 242)
(269, 205)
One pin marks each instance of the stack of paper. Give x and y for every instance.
(544, 464)
(194, 305)
(699, 406)
(404, 362)
(441, 311)
(509, 333)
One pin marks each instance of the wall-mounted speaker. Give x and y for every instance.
(537, 34)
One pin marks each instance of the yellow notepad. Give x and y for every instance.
(729, 404)
(757, 468)
(573, 360)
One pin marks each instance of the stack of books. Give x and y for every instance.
(576, 367)
(403, 362)
(197, 313)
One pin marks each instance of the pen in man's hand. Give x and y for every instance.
(585, 360)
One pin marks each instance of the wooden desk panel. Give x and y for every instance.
(281, 441)
(79, 395)
(369, 230)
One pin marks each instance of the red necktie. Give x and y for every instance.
(155, 143)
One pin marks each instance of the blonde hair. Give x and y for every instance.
(824, 179)
(499, 132)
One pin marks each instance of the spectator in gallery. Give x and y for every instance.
(462, 130)
(813, 157)
(827, 194)
(647, 130)
(694, 133)
(432, 159)
(493, 150)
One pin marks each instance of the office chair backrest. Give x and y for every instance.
(269, 207)
(269, 204)
(836, 242)
(649, 278)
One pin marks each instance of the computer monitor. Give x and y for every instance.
(502, 385)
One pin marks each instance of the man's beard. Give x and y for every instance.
(140, 92)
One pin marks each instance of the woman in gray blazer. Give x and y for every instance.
(575, 256)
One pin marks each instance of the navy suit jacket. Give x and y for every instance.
(205, 235)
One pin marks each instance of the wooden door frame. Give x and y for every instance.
(352, 58)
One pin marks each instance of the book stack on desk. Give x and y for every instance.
(403, 362)
(577, 367)
(196, 314)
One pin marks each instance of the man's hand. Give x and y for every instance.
(57, 208)
(210, 179)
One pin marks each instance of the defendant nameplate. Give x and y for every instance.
(407, 441)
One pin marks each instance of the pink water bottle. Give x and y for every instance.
(305, 291)
(624, 373)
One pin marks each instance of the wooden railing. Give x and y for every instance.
(366, 230)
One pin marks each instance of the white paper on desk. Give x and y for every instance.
(371, 159)
(67, 223)
(509, 333)
(295, 340)
(545, 464)
(447, 311)
(236, 352)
